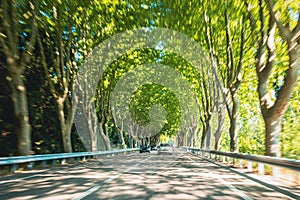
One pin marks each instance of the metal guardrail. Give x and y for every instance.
(14, 161)
(274, 161)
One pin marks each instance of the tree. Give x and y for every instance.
(69, 32)
(207, 107)
(58, 50)
(273, 107)
(18, 36)
(227, 58)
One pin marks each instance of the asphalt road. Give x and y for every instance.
(138, 176)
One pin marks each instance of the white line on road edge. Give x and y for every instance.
(24, 178)
(227, 184)
(17, 180)
(97, 187)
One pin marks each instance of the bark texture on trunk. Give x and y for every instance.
(206, 139)
(104, 137)
(221, 120)
(208, 142)
(65, 126)
(273, 129)
(233, 130)
(23, 128)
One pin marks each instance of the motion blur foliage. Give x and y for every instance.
(232, 31)
(8, 140)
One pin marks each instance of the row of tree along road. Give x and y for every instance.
(248, 96)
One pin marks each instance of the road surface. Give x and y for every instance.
(137, 176)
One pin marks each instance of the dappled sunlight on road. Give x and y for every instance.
(57, 183)
(136, 176)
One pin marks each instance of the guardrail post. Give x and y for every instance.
(53, 163)
(250, 169)
(276, 173)
(44, 163)
(63, 161)
(261, 168)
(13, 168)
(240, 163)
(30, 165)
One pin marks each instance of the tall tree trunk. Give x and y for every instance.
(131, 136)
(232, 76)
(94, 142)
(124, 146)
(221, 120)
(180, 139)
(105, 138)
(65, 114)
(206, 139)
(233, 130)
(204, 131)
(194, 133)
(273, 115)
(131, 142)
(120, 130)
(194, 129)
(16, 62)
(122, 136)
(19, 99)
(273, 111)
(93, 132)
(234, 79)
(66, 134)
(273, 129)
(65, 127)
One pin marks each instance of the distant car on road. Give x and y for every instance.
(153, 148)
(144, 149)
(165, 148)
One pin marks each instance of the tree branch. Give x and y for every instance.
(26, 56)
(8, 29)
(45, 66)
(284, 30)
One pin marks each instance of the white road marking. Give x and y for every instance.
(97, 187)
(17, 180)
(227, 184)
(24, 178)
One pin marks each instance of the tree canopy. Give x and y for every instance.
(240, 93)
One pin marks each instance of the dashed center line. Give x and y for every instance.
(107, 181)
